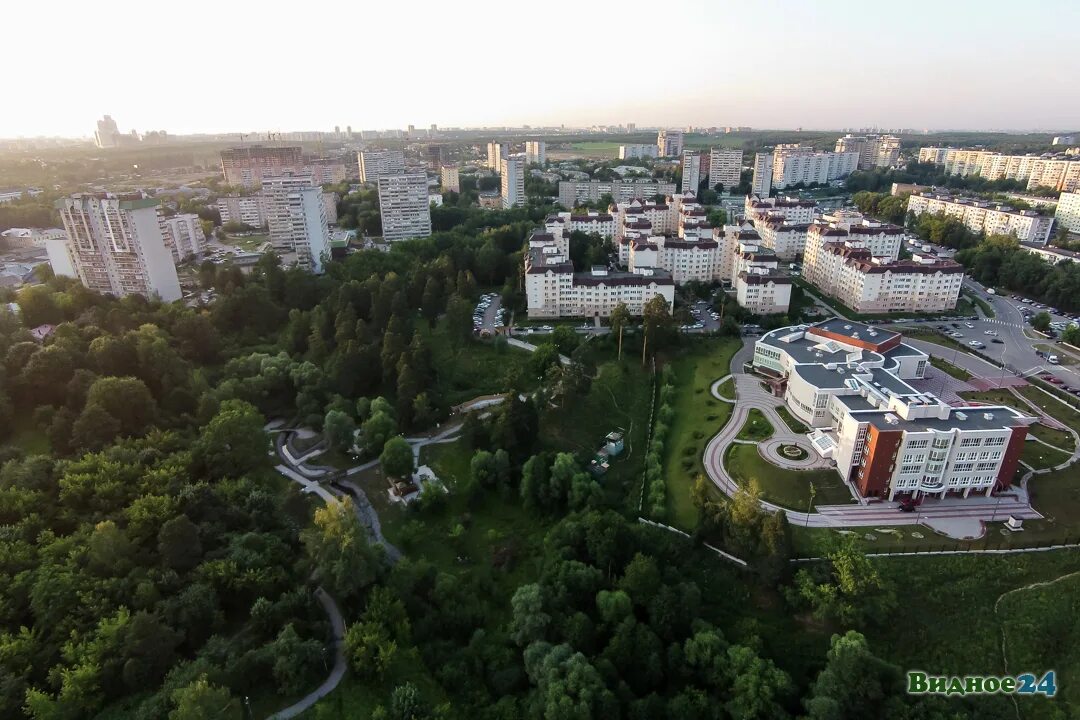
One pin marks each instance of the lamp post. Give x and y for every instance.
(813, 492)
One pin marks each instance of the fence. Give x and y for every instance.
(971, 548)
(727, 556)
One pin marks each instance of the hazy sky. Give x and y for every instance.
(199, 66)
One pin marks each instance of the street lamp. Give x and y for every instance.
(813, 492)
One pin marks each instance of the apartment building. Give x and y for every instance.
(627, 152)
(795, 164)
(725, 168)
(450, 178)
(855, 385)
(1059, 172)
(669, 143)
(404, 206)
(602, 224)
(985, 217)
(512, 181)
(857, 264)
(61, 257)
(31, 237)
(115, 245)
(496, 151)
(246, 209)
(536, 152)
(377, 164)
(1068, 211)
(874, 150)
(691, 171)
(786, 208)
(326, 170)
(247, 166)
(759, 285)
(573, 192)
(183, 235)
(296, 217)
(786, 239)
(554, 290)
(763, 172)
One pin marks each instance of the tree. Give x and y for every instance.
(397, 458)
(338, 546)
(179, 544)
(233, 442)
(127, 399)
(656, 319)
(458, 320)
(295, 660)
(200, 700)
(376, 430)
(619, 319)
(339, 429)
(849, 591)
(1041, 321)
(545, 356)
(528, 622)
(94, 429)
(482, 468)
(855, 683)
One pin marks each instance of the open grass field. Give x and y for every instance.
(248, 243)
(476, 368)
(698, 416)
(26, 435)
(787, 488)
(1039, 457)
(756, 428)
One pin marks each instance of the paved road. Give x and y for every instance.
(337, 625)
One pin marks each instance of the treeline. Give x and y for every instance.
(883, 206)
(999, 262)
(881, 180)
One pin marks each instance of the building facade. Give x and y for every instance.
(496, 151)
(874, 150)
(451, 180)
(376, 164)
(246, 209)
(725, 168)
(985, 217)
(247, 166)
(795, 164)
(761, 185)
(404, 206)
(627, 152)
(1059, 172)
(691, 171)
(512, 181)
(115, 245)
(855, 385)
(536, 152)
(1068, 211)
(183, 235)
(296, 217)
(572, 192)
(669, 143)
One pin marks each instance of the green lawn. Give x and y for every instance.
(1057, 438)
(756, 428)
(788, 488)
(727, 389)
(1058, 404)
(947, 367)
(248, 243)
(987, 309)
(793, 423)
(1063, 357)
(698, 417)
(476, 368)
(596, 146)
(1040, 457)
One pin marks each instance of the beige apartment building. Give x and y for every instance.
(985, 217)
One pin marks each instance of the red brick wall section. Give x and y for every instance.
(863, 343)
(1009, 463)
(880, 452)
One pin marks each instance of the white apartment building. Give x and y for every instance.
(183, 235)
(855, 384)
(602, 224)
(376, 164)
(725, 168)
(1064, 140)
(637, 151)
(246, 209)
(573, 192)
(1068, 211)
(1059, 172)
(535, 152)
(786, 208)
(874, 150)
(669, 143)
(935, 155)
(115, 245)
(404, 206)
(61, 258)
(451, 180)
(858, 266)
(512, 181)
(496, 151)
(985, 217)
(794, 164)
(759, 285)
(786, 239)
(763, 172)
(691, 171)
(296, 216)
(554, 290)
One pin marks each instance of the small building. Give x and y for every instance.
(41, 332)
(614, 443)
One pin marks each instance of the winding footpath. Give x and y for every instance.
(955, 517)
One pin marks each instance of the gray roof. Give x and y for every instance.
(903, 350)
(820, 376)
(1002, 418)
(855, 403)
(891, 382)
(807, 348)
(850, 328)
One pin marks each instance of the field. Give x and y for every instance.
(248, 243)
(476, 368)
(787, 488)
(698, 416)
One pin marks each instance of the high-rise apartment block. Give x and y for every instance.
(115, 245)
(404, 206)
(247, 166)
(855, 385)
(627, 152)
(1057, 172)
(247, 209)
(725, 168)
(874, 150)
(512, 181)
(1068, 211)
(296, 216)
(691, 171)
(496, 151)
(980, 216)
(669, 143)
(376, 164)
(763, 171)
(183, 235)
(796, 164)
(536, 152)
(450, 178)
(572, 192)
(107, 135)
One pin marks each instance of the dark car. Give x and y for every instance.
(907, 505)
(998, 341)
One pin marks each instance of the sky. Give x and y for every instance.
(239, 66)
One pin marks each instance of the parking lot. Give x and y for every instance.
(489, 314)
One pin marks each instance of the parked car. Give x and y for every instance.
(999, 342)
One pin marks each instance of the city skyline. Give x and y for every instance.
(929, 68)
